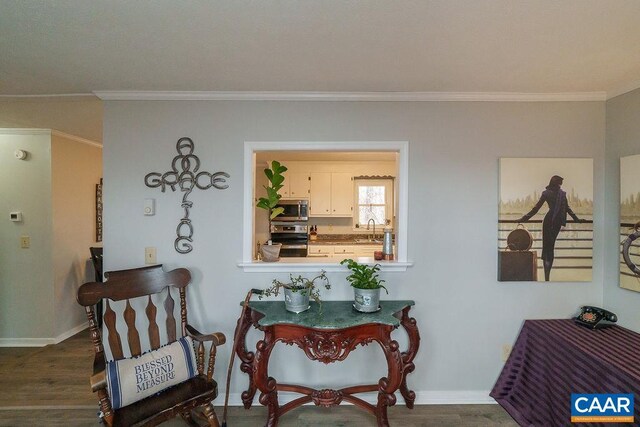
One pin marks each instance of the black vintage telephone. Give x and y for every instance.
(595, 317)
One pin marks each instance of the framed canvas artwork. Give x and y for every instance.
(630, 222)
(545, 220)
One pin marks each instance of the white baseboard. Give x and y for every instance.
(71, 332)
(41, 342)
(426, 397)
(26, 342)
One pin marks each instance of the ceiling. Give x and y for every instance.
(542, 46)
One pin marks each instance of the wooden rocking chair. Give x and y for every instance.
(180, 399)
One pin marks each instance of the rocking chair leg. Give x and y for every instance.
(211, 415)
(186, 415)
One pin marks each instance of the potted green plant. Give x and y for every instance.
(366, 285)
(271, 252)
(297, 291)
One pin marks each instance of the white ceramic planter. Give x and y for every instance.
(366, 300)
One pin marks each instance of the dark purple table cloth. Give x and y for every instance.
(553, 358)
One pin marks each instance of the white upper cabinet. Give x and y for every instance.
(299, 185)
(295, 185)
(320, 195)
(341, 194)
(331, 194)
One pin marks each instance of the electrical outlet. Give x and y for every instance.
(150, 255)
(25, 242)
(506, 351)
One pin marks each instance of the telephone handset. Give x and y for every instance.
(595, 317)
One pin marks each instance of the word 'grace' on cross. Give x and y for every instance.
(184, 175)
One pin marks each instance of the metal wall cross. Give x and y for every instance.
(186, 179)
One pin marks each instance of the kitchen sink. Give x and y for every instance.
(372, 241)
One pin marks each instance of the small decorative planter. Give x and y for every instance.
(296, 300)
(366, 285)
(298, 291)
(366, 300)
(271, 253)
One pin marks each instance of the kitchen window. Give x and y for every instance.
(373, 201)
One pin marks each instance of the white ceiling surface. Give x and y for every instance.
(542, 46)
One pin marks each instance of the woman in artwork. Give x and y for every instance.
(554, 220)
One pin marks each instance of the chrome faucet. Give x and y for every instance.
(374, 228)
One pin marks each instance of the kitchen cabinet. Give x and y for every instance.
(320, 250)
(295, 185)
(341, 194)
(367, 250)
(331, 194)
(343, 251)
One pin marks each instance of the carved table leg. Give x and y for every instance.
(409, 324)
(246, 357)
(388, 385)
(266, 384)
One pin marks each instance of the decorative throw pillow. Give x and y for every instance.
(130, 380)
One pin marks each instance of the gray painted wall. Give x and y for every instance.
(26, 282)
(55, 190)
(464, 313)
(623, 139)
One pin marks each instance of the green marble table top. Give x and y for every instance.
(334, 314)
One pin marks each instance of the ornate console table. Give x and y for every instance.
(327, 337)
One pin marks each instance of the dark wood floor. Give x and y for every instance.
(50, 386)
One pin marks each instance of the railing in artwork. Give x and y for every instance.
(627, 228)
(574, 245)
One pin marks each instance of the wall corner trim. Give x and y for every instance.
(76, 138)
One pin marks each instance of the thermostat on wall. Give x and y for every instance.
(15, 216)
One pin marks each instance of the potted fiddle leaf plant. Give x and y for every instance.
(366, 285)
(271, 252)
(298, 290)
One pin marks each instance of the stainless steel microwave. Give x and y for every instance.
(294, 210)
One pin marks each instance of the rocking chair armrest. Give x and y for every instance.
(99, 378)
(217, 338)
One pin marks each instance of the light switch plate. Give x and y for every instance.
(25, 242)
(506, 352)
(150, 255)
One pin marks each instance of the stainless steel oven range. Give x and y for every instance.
(294, 237)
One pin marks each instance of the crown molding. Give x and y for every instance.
(621, 90)
(76, 138)
(350, 96)
(34, 131)
(52, 95)
(24, 131)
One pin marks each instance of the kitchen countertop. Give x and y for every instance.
(344, 240)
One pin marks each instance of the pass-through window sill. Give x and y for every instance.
(312, 264)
